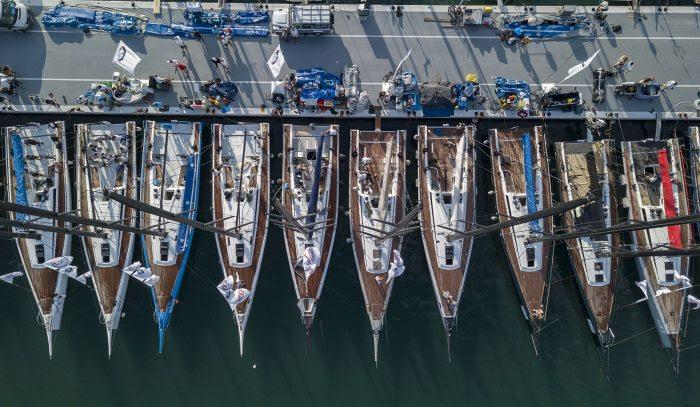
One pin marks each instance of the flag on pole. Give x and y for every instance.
(311, 260)
(232, 297)
(662, 291)
(580, 67)
(143, 274)
(683, 279)
(9, 277)
(83, 277)
(126, 58)
(275, 62)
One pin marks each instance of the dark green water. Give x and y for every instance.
(493, 359)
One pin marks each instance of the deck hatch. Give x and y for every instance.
(39, 251)
(239, 252)
(104, 249)
(164, 248)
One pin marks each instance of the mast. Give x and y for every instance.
(161, 213)
(50, 229)
(163, 171)
(626, 227)
(65, 217)
(313, 202)
(89, 176)
(240, 179)
(554, 210)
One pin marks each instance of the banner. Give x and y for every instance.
(126, 58)
(275, 62)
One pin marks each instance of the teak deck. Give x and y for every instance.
(643, 182)
(437, 149)
(248, 275)
(507, 153)
(374, 144)
(107, 279)
(583, 166)
(46, 160)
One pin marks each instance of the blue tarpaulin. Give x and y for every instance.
(86, 18)
(530, 186)
(189, 202)
(547, 30)
(316, 84)
(18, 164)
(506, 87)
(239, 24)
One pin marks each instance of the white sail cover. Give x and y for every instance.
(57, 263)
(642, 286)
(143, 274)
(233, 297)
(311, 260)
(10, 277)
(397, 267)
(695, 303)
(683, 279)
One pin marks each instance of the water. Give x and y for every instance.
(493, 359)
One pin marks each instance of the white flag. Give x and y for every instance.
(397, 267)
(642, 286)
(58, 263)
(232, 297)
(311, 260)
(126, 58)
(83, 277)
(694, 301)
(143, 274)
(9, 277)
(580, 67)
(275, 62)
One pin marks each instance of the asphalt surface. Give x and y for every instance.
(667, 45)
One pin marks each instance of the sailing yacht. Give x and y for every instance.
(37, 176)
(377, 216)
(655, 184)
(522, 186)
(586, 167)
(106, 156)
(308, 207)
(170, 181)
(447, 192)
(241, 203)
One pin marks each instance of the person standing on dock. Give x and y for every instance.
(226, 39)
(177, 65)
(180, 43)
(220, 61)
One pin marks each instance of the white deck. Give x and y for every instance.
(301, 159)
(377, 202)
(171, 146)
(448, 207)
(241, 178)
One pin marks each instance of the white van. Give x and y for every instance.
(14, 16)
(306, 19)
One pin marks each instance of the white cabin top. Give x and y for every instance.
(301, 159)
(646, 175)
(377, 186)
(38, 173)
(446, 156)
(106, 163)
(241, 161)
(172, 151)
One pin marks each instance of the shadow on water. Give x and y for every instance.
(493, 360)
